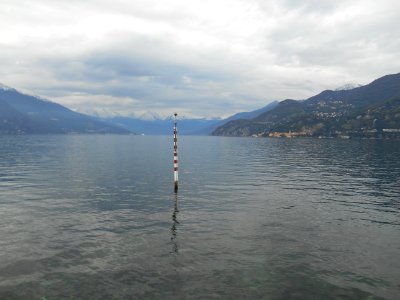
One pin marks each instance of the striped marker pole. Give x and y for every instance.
(175, 155)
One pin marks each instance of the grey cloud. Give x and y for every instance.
(160, 90)
(137, 67)
(309, 6)
(353, 46)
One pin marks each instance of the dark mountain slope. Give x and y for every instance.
(242, 116)
(382, 88)
(281, 111)
(20, 113)
(11, 120)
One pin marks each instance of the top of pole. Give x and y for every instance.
(175, 115)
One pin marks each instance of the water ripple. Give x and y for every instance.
(94, 217)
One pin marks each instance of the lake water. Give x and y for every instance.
(95, 217)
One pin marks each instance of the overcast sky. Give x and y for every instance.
(200, 58)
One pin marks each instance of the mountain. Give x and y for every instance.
(242, 115)
(159, 126)
(163, 126)
(247, 127)
(355, 112)
(25, 114)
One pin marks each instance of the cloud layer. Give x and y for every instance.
(200, 58)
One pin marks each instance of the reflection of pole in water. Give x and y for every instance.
(175, 222)
(175, 155)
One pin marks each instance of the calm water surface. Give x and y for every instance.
(95, 217)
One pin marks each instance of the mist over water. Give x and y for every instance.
(95, 217)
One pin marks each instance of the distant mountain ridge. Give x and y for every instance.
(241, 115)
(25, 114)
(187, 126)
(329, 113)
(163, 126)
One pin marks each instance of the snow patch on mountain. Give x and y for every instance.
(348, 86)
(5, 87)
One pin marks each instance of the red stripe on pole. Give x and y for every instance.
(175, 136)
